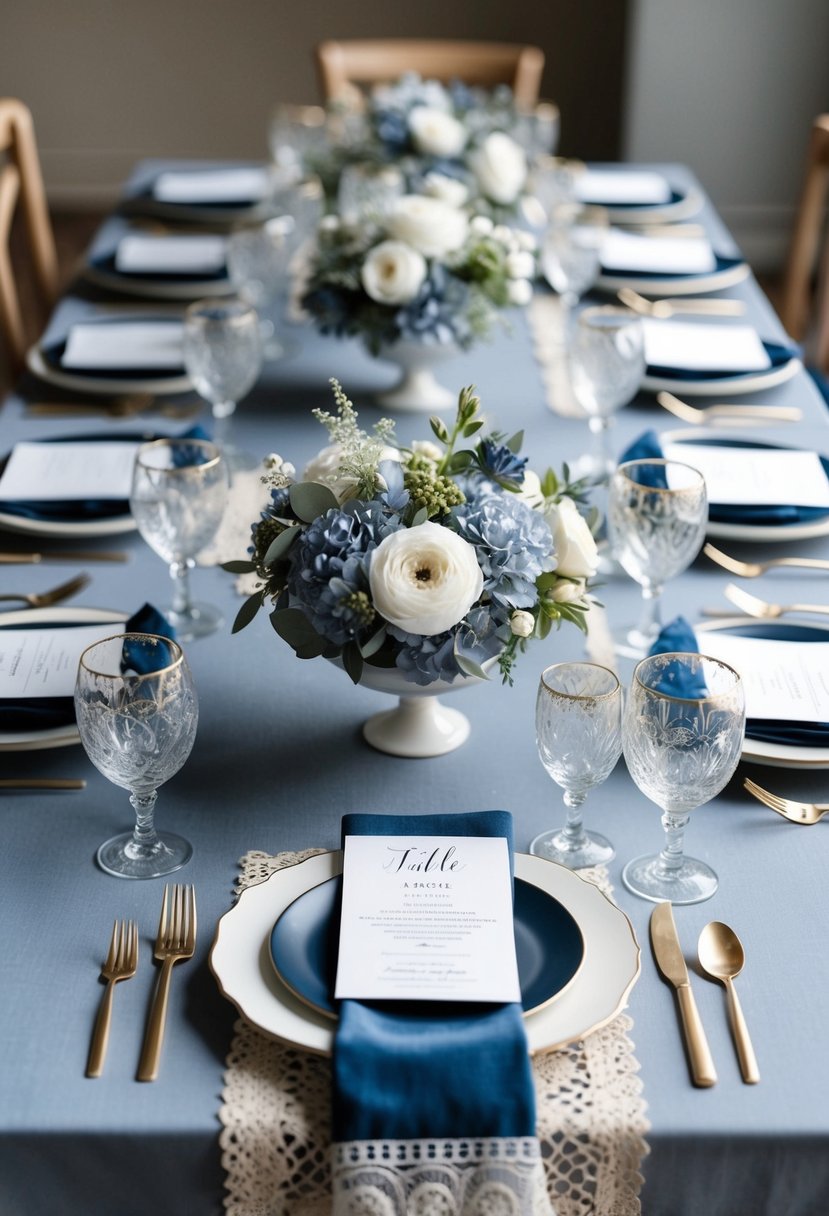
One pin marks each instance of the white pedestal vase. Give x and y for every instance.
(418, 392)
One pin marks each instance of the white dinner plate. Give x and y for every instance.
(724, 386)
(25, 618)
(105, 386)
(241, 962)
(679, 285)
(109, 525)
(757, 751)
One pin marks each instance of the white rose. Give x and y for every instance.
(427, 224)
(324, 468)
(500, 167)
(520, 265)
(568, 593)
(447, 189)
(519, 292)
(531, 492)
(576, 552)
(522, 624)
(393, 272)
(424, 579)
(436, 133)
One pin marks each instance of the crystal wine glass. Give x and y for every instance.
(578, 727)
(257, 262)
(223, 357)
(178, 495)
(683, 733)
(296, 132)
(366, 192)
(656, 518)
(137, 712)
(607, 363)
(571, 250)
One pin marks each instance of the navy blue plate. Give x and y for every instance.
(304, 943)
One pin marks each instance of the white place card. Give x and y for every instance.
(125, 344)
(44, 662)
(704, 346)
(52, 472)
(139, 253)
(753, 476)
(657, 254)
(427, 918)
(622, 186)
(212, 186)
(784, 681)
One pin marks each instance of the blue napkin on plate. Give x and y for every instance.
(45, 713)
(406, 1071)
(679, 636)
(648, 446)
(779, 353)
(723, 263)
(77, 510)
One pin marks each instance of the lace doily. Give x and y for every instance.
(546, 321)
(275, 1137)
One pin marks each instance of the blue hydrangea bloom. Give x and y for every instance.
(329, 562)
(513, 544)
(500, 462)
(426, 659)
(438, 311)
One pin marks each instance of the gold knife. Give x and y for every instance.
(42, 783)
(93, 555)
(669, 959)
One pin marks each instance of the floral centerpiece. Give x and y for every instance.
(439, 560)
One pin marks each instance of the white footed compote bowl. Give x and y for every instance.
(418, 391)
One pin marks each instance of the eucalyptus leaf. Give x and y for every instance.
(248, 611)
(309, 499)
(514, 444)
(373, 644)
(239, 567)
(352, 661)
(469, 667)
(279, 547)
(472, 427)
(293, 626)
(420, 516)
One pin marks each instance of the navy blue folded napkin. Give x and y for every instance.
(679, 636)
(722, 263)
(779, 353)
(409, 1070)
(46, 713)
(649, 447)
(80, 510)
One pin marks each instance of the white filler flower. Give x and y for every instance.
(393, 273)
(500, 167)
(576, 552)
(522, 624)
(447, 189)
(424, 579)
(325, 470)
(428, 225)
(436, 133)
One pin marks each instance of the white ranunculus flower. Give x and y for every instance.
(520, 265)
(424, 579)
(576, 552)
(436, 133)
(481, 225)
(568, 593)
(430, 226)
(393, 272)
(500, 167)
(520, 292)
(522, 624)
(324, 468)
(447, 189)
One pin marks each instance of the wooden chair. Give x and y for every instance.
(343, 66)
(21, 180)
(802, 313)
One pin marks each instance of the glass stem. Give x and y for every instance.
(600, 430)
(670, 859)
(144, 834)
(650, 622)
(573, 830)
(222, 413)
(180, 574)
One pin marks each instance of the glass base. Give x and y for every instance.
(556, 846)
(632, 643)
(123, 858)
(692, 883)
(199, 621)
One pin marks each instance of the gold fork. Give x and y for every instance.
(739, 414)
(670, 307)
(796, 812)
(176, 940)
(121, 963)
(763, 610)
(753, 569)
(43, 599)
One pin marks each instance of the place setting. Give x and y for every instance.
(635, 196)
(214, 193)
(135, 260)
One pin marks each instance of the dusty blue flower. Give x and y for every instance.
(513, 544)
(501, 463)
(426, 659)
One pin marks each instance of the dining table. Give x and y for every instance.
(279, 758)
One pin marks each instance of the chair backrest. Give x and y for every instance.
(798, 312)
(21, 180)
(344, 65)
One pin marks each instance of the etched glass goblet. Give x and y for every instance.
(367, 192)
(257, 262)
(137, 713)
(607, 363)
(656, 518)
(178, 496)
(223, 357)
(682, 734)
(571, 250)
(578, 728)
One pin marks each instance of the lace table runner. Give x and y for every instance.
(275, 1112)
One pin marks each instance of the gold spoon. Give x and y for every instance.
(722, 957)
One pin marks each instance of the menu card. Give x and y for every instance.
(783, 681)
(622, 186)
(142, 254)
(427, 918)
(125, 344)
(44, 662)
(53, 472)
(212, 186)
(750, 476)
(704, 346)
(657, 254)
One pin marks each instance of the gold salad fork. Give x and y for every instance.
(763, 610)
(176, 940)
(738, 414)
(663, 309)
(121, 963)
(753, 569)
(43, 599)
(796, 812)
